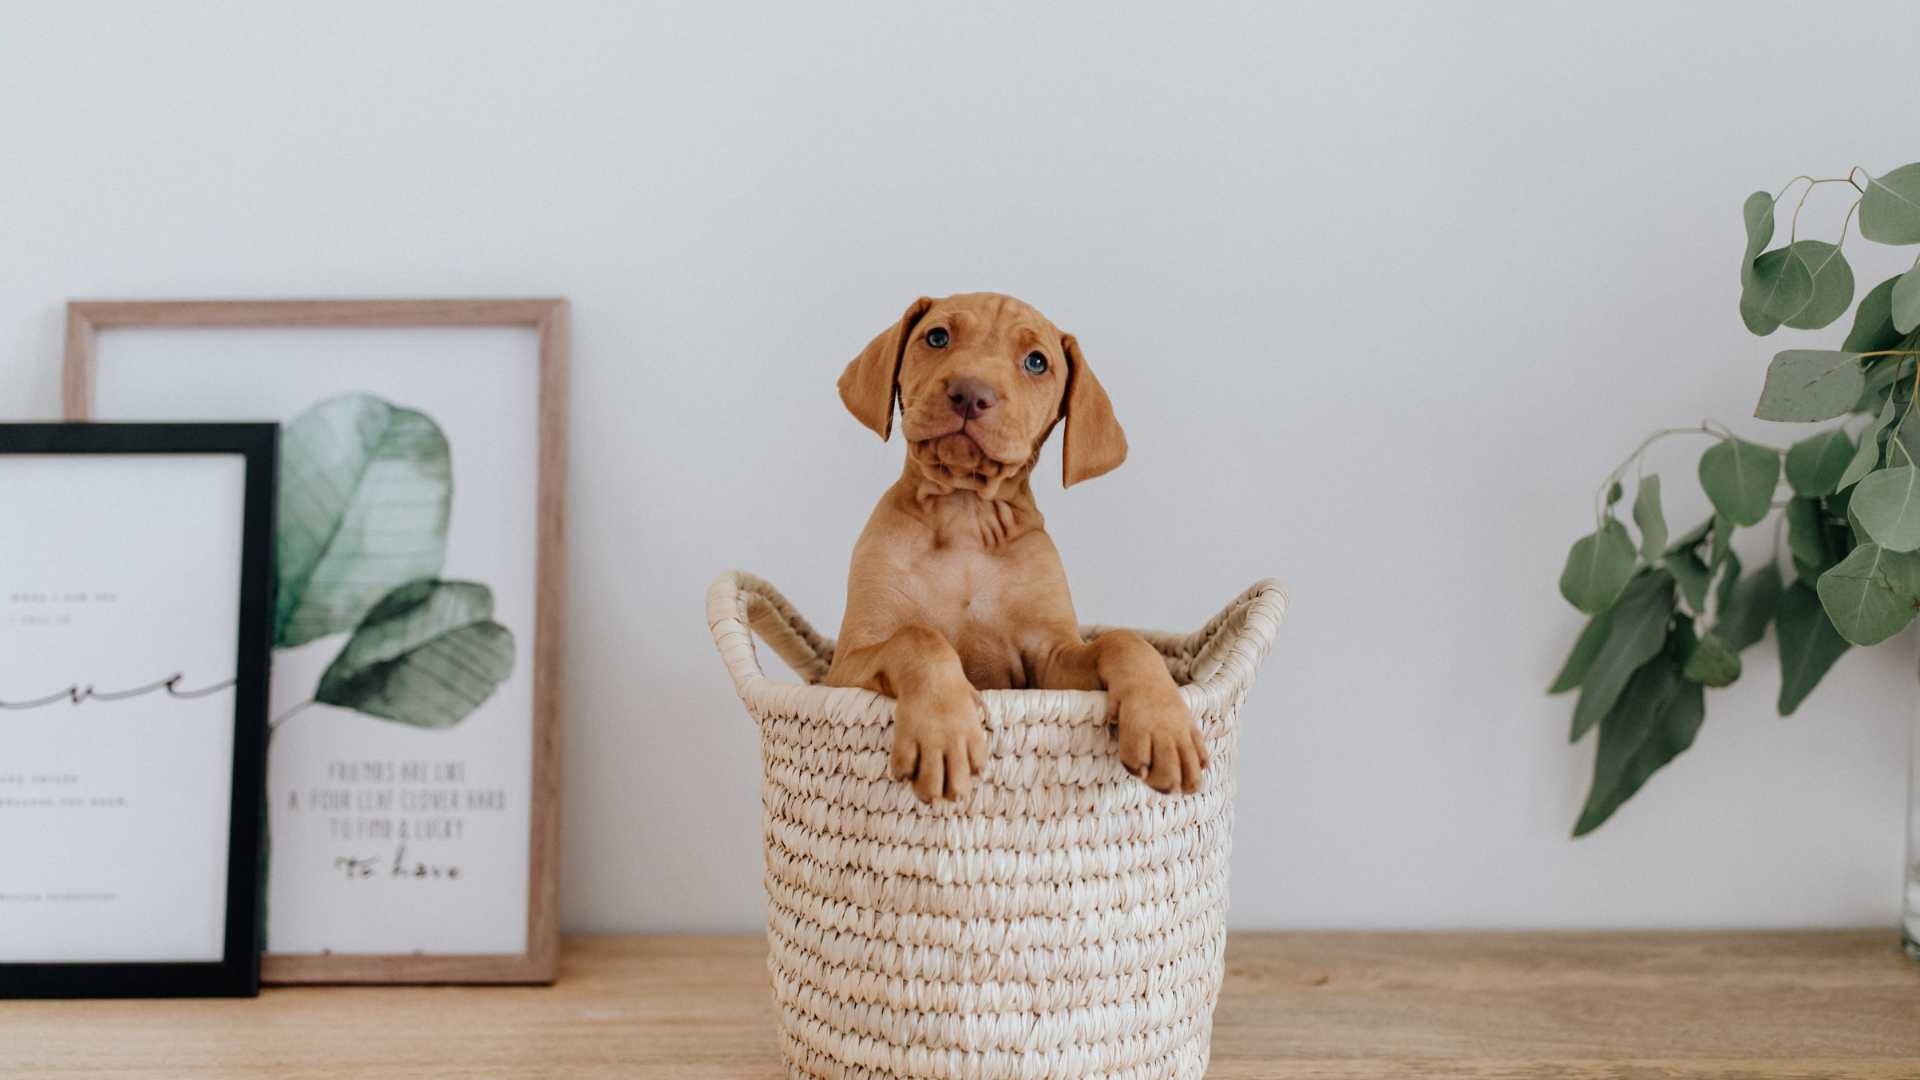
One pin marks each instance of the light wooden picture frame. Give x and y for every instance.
(380, 804)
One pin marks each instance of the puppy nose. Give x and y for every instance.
(970, 396)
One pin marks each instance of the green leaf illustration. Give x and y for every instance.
(1890, 210)
(1809, 384)
(1809, 644)
(1866, 595)
(1815, 465)
(1598, 567)
(1739, 478)
(1887, 504)
(365, 490)
(428, 654)
(1639, 626)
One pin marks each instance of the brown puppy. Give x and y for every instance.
(955, 584)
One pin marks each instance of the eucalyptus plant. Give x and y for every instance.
(1669, 616)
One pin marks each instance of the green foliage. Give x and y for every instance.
(1649, 519)
(1807, 384)
(1866, 456)
(1597, 568)
(1815, 465)
(1574, 671)
(1653, 721)
(1887, 504)
(1749, 607)
(1713, 662)
(1739, 478)
(1669, 617)
(1809, 644)
(1867, 595)
(1904, 303)
(1693, 577)
(1639, 626)
(1873, 328)
(1890, 208)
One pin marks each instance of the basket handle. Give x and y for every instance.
(739, 606)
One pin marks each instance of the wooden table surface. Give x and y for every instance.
(1562, 1006)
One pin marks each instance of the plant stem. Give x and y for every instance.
(1600, 497)
(289, 714)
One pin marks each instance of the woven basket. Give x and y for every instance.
(1062, 921)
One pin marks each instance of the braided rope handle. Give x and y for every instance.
(1220, 657)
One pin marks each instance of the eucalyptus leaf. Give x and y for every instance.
(1864, 602)
(1758, 215)
(428, 654)
(1776, 287)
(1747, 610)
(1722, 547)
(1648, 516)
(1906, 436)
(1808, 538)
(1639, 627)
(1654, 721)
(1574, 671)
(1815, 465)
(1739, 478)
(1905, 303)
(1693, 577)
(1808, 384)
(1726, 576)
(1809, 644)
(365, 489)
(1866, 456)
(1712, 663)
(1887, 505)
(1832, 285)
(1597, 568)
(1691, 538)
(1873, 328)
(1890, 209)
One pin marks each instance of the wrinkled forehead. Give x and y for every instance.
(989, 318)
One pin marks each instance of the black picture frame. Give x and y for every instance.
(237, 973)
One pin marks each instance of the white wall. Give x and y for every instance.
(1380, 293)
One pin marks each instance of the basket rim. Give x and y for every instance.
(1231, 645)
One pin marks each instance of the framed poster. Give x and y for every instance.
(413, 742)
(135, 601)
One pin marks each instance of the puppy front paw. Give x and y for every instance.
(1159, 742)
(940, 742)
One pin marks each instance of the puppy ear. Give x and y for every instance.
(868, 385)
(1094, 443)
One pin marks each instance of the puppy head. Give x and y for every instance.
(982, 379)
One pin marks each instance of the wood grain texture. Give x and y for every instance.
(550, 318)
(1562, 1006)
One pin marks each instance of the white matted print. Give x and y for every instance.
(404, 780)
(117, 674)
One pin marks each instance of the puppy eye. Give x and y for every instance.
(1036, 364)
(937, 337)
